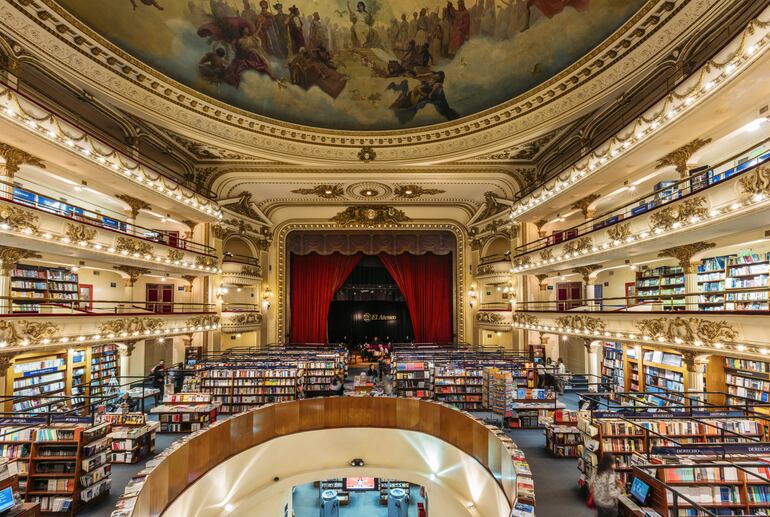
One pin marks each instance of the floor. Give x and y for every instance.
(556, 490)
(362, 504)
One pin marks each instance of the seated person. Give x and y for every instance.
(372, 371)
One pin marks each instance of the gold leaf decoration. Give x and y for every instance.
(370, 215)
(619, 232)
(18, 219)
(581, 322)
(688, 331)
(687, 211)
(128, 246)
(323, 191)
(131, 326)
(80, 233)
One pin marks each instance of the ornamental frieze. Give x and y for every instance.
(128, 326)
(18, 219)
(671, 216)
(581, 322)
(376, 215)
(689, 331)
(23, 332)
(127, 246)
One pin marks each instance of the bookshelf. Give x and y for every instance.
(665, 374)
(29, 283)
(747, 270)
(77, 379)
(249, 386)
(36, 376)
(462, 387)
(532, 407)
(712, 273)
(413, 379)
(103, 380)
(651, 284)
(133, 437)
(16, 444)
(186, 412)
(498, 391)
(737, 488)
(69, 467)
(747, 381)
(613, 366)
(318, 376)
(562, 436)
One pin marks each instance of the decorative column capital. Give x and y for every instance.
(685, 253)
(678, 157)
(5, 362)
(189, 279)
(584, 205)
(10, 256)
(134, 204)
(587, 271)
(541, 278)
(695, 363)
(127, 348)
(15, 157)
(539, 225)
(133, 273)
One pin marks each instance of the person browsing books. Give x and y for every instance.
(604, 487)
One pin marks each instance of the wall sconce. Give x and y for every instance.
(472, 295)
(267, 295)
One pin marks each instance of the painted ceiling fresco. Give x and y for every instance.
(370, 65)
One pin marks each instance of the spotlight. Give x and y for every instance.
(357, 462)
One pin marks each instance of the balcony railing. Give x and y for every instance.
(37, 201)
(697, 182)
(747, 300)
(47, 307)
(240, 307)
(240, 259)
(491, 259)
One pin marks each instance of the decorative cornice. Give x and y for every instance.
(127, 246)
(23, 332)
(15, 157)
(578, 245)
(415, 191)
(689, 331)
(202, 321)
(18, 219)
(757, 182)
(619, 232)
(521, 319)
(685, 253)
(370, 216)
(243, 206)
(323, 191)
(131, 326)
(586, 271)
(672, 216)
(80, 233)
(581, 322)
(679, 157)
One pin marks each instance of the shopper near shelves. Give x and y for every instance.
(561, 375)
(158, 372)
(372, 372)
(540, 369)
(604, 487)
(550, 370)
(337, 387)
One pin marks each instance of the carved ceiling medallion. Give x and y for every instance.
(415, 191)
(370, 216)
(324, 191)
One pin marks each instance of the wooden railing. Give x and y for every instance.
(201, 453)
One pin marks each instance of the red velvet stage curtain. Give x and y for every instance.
(426, 283)
(314, 280)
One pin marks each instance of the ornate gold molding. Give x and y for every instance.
(584, 205)
(521, 319)
(206, 261)
(370, 216)
(15, 157)
(175, 255)
(10, 256)
(206, 320)
(190, 279)
(489, 317)
(581, 322)
(134, 204)
(23, 332)
(246, 318)
(689, 210)
(619, 232)
(685, 253)
(128, 246)
(546, 254)
(415, 191)
(80, 233)
(586, 271)
(133, 273)
(18, 219)
(519, 262)
(757, 182)
(689, 331)
(485, 269)
(678, 157)
(323, 191)
(131, 326)
(578, 245)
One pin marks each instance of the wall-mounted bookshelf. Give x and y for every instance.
(35, 380)
(37, 282)
(462, 387)
(103, 381)
(711, 279)
(186, 412)
(664, 373)
(747, 381)
(747, 270)
(667, 281)
(318, 375)
(613, 366)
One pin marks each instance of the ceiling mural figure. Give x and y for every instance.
(372, 65)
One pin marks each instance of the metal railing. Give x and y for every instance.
(698, 182)
(90, 217)
(240, 259)
(702, 301)
(53, 307)
(240, 307)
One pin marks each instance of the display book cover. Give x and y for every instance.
(522, 510)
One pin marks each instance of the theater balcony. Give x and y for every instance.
(466, 467)
(240, 317)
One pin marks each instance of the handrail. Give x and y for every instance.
(155, 166)
(86, 307)
(491, 259)
(625, 212)
(597, 304)
(165, 237)
(241, 259)
(240, 307)
(241, 432)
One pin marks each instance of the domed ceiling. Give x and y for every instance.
(374, 65)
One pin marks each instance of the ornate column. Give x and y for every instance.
(593, 359)
(5, 363)
(13, 159)
(542, 292)
(133, 275)
(539, 225)
(696, 369)
(584, 205)
(9, 257)
(684, 254)
(125, 350)
(679, 157)
(134, 205)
